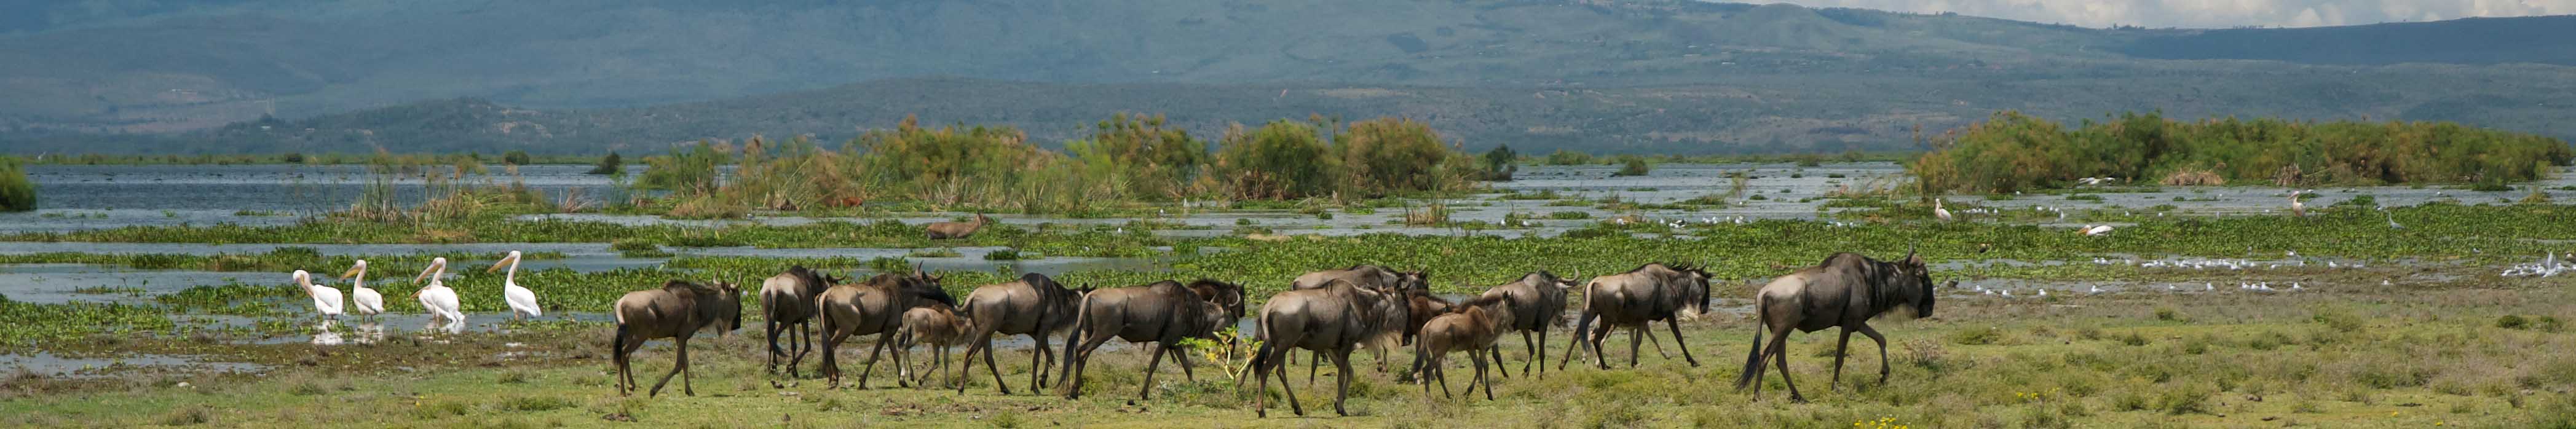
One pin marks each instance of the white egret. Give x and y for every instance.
(369, 303)
(523, 302)
(436, 296)
(325, 299)
(2096, 229)
(1940, 213)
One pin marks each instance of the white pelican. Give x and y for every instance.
(435, 296)
(325, 299)
(1938, 212)
(369, 303)
(523, 302)
(2297, 208)
(2094, 229)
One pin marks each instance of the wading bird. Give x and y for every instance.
(2095, 229)
(369, 303)
(523, 302)
(325, 299)
(2297, 208)
(436, 296)
(1940, 213)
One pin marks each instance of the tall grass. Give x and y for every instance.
(2012, 151)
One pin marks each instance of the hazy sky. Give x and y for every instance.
(2215, 13)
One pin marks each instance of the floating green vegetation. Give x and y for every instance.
(280, 260)
(1053, 239)
(31, 323)
(638, 249)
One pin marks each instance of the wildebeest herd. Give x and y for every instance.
(1331, 313)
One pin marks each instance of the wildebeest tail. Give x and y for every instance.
(617, 346)
(1073, 340)
(1753, 359)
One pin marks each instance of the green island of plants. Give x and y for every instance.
(2011, 151)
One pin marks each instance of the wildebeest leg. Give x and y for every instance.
(870, 367)
(1480, 379)
(1872, 333)
(1676, 325)
(683, 362)
(1533, 355)
(985, 344)
(1150, 364)
(1574, 347)
(771, 325)
(1650, 339)
(1184, 359)
(1077, 359)
(1635, 334)
(1839, 350)
(804, 345)
(1041, 359)
(1497, 350)
(1342, 362)
(831, 365)
(1599, 334)
(626, 346)
(1432, 365)
(1311, 365)
(1779, 345)
(1293, 405)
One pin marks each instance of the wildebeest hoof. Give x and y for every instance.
(1797, 399)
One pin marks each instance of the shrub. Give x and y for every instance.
(2512, 322)
(2011, 151)
(17, 194)
(1568, 157)
(1498, 164)
(610, 164)
(1280, 160)
(515, 157)
(1975, 336)
(1632, 165)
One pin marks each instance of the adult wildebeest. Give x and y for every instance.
(953, 230)
(1538, 301)
(937, 326)
(1633, 299)
(873, 307)
(1333, 320)
(788, 301)
(675, 311)
(1367, 276)
(1845, 291)
(1163, 313)
(1473, 327)
(1035, 306)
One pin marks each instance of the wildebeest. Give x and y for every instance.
(1420, 307)
(1035, 306)
(675, 311)
(1226, 295)
(1367, 276)
(873, 307)
(1333, 320)
(937, 326)
(953, 230)
(1845, 291)
(1163, 313)
(1538, 300)
(1473, 327)
(1633, 299)
(788, 301)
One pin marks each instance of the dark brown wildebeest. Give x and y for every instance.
(788, 301)
(1226, 295)
(1845, 291)
(1633, 299)
(874, 307)
(1035, 306)
(676, 311)
(1334, 320)
(1420, 307)
(1538, 301)
(1473, 327)
(1367, 276)
(1163, 313)
(956, 230)
(933, 325)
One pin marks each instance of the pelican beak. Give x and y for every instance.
(505, 261)
(353, 271)
(434, 266)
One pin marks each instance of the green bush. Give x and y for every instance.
(610, 164)
(1281, 160)
(2512, 322)
(1631, 165)
(17, 194)
(1568, 157)
(515, 157)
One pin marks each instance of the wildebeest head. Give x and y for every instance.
(926, 286)
(1228, 296)
(1413, 280)
(1693, 285)
(1209, 319)
(721, 305)
(1912, 283)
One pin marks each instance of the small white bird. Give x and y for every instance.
(1940, 213)
(369, 303)
(325, 299)
(435, 296)
(2096, 290)
(2007, 294)
(2392, 220)
(2206, 286)
(523, 302)
(2043, 292)
(2096, 229)
(2297, 208)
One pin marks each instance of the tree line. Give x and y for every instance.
(2012, 151)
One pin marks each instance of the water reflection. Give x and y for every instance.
(324, 333)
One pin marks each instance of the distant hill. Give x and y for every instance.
(1684, 76)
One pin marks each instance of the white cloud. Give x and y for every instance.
(2215, 13)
